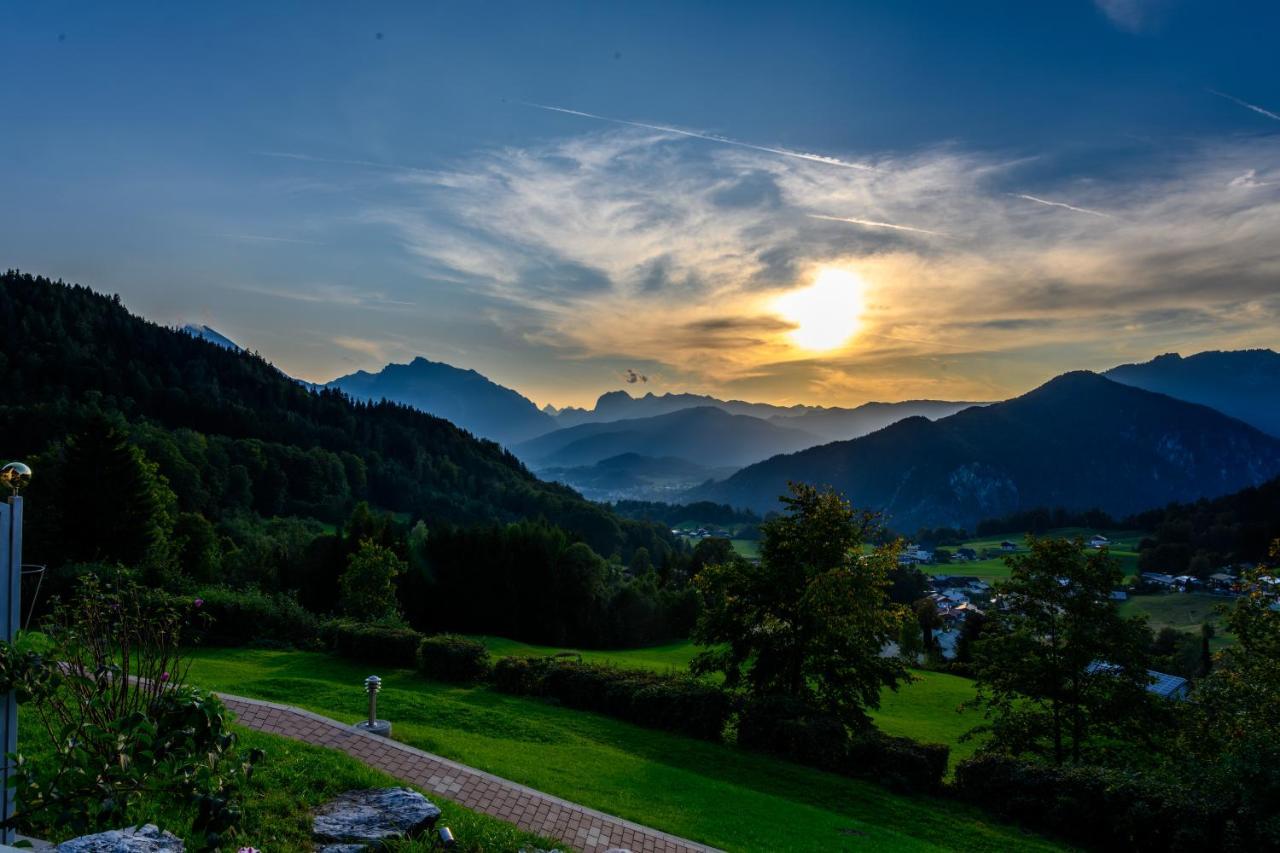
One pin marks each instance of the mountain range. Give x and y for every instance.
(705, 435)
(828, 423)
(1244, 384)
(1078, 441)
(464, 397)
(922, 461)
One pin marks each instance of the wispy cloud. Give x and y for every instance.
(1248, 106)
(709, 137)
(338, 161)
(266, 238)
(1130, 15)
(329, 294)
(632, 246)
(873, 224)
(1062, 205)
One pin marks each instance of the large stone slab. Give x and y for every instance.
(136, 839)
(373, 816)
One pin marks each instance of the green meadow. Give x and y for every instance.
(1123, 547)
(713, 793)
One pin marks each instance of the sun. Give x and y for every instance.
(827, 313)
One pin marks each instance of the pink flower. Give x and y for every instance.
(164, 676)
(199, 602)
(248, 850)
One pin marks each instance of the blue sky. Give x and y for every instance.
(1049, 185)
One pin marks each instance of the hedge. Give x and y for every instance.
(390, 645)
(670, 702)
(451, 657)
(243, 617)
(788, 728)
(1104, 808)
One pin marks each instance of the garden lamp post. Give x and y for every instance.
(14, 476)
(373, 725)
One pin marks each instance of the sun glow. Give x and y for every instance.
(827, 313)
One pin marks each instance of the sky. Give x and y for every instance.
(821, 203)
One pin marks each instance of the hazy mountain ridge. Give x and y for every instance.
(1244, 384)
(464, 397)
(632, 476)
(707, 436)
(1078, 441)
(830, 423)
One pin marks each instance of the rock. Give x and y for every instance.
(135, 839)
(371, 817)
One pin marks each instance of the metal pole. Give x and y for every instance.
(10, 618)
(373, 684)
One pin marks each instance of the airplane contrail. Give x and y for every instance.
(709, 137)
(1248, 106)
(873, 224)
(1063, 205)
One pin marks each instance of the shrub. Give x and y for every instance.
(1104, 808)
(450, 657)
(107, 690)
(670, 702)
(787, 727)
(373, 642)
(242, 617)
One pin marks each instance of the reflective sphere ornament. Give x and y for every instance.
(15, 475)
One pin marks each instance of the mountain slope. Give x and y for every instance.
(706, 436)
(464, 397)
(1244, 384)
(1079, 441)
(232, 433)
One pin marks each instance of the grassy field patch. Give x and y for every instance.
(714, 793)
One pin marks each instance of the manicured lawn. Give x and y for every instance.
(926, 709)
(664, 658)
(713, 793)
(292, 779)
(929, 710)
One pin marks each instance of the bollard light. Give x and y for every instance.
(373, 684)
(445, 840)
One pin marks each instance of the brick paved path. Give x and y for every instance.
(586, 829)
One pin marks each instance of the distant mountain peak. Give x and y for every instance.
(210, 334)
(1244, 384)
(461, 395)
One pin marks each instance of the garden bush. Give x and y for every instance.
(1107, 809)
(123, 729)
(451, 657)
(788, 728)
(674, 703)
(244, 617)
(385, 643)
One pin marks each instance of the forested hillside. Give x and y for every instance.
(230, 434)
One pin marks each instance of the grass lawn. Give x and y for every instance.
(292, 779)
(665, 658)
(926, 709)
(713, 793)
(749, 548)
